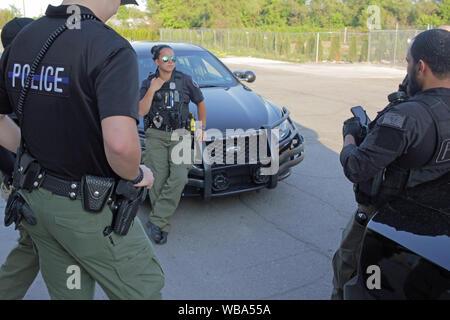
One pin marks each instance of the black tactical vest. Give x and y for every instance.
(169, 111)
(440, 162)
(394, 180)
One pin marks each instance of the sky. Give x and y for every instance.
(34, 8)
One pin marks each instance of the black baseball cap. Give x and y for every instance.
(122, 2)
(12, 28)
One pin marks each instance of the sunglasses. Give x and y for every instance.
(166, 59)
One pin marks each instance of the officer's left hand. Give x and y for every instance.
(16, 210)
(404, 86)
(200, 135)
(148, 179)
(353, 127)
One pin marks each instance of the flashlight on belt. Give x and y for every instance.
(192, 122)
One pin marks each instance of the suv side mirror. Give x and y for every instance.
(248, 76)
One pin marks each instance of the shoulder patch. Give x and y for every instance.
(393, 120)
(195, 84)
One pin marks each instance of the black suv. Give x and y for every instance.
(230, 105)
(409, 241)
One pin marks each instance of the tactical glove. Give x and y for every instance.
(16, 210)
(353, 127)
(403, 87)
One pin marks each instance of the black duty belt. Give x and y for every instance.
(62, 187)
(165, 128)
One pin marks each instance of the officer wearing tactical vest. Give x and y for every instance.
(408, 144)
(79, 180)
(165, 97)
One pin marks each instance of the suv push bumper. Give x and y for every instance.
(291, 152)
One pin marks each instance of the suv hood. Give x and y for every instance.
(424, 232)
(236, 107)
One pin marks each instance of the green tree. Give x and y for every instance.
(311, 47)
(7, 15)
(353, 50)
(300, 47)
(335, 50)
(444, 11)
(364, 51)
(292, 15)
(284, 45)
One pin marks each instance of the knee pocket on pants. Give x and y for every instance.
(142, 274)
(137, 265)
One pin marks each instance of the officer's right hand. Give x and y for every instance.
(156, 84)
(148, 179)
(353, 127)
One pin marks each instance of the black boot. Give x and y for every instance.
(163, 237)
(155, 232)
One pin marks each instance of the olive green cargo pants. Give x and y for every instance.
(170, 177)
(74, 253)
(20, 269)
(346, 258)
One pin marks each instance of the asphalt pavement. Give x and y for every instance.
(271, 244)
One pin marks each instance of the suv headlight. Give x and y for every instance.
(285, 129)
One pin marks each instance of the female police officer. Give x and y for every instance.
(165, 97)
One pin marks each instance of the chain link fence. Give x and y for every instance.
(380, 46)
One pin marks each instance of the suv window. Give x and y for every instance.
(203, 67)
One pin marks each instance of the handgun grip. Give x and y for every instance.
(126, 188)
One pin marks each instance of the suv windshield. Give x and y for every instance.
(203, 67)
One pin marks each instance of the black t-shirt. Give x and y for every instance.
(191, 90)
(89, 74)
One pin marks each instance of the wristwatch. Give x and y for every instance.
(139, 178)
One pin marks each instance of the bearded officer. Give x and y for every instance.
(408, 144)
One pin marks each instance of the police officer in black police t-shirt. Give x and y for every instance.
(79, 124)
(408, 145)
